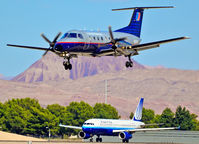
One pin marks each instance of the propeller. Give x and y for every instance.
(52, 44)
(114, 41)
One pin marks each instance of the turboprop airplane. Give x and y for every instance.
(121, 42)
(112, 127)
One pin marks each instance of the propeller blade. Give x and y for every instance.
(111, 35)
(46, 39)
(57, 36)
(45, 53)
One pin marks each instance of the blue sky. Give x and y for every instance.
(23, 21)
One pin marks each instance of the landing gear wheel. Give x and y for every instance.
(100, 139)
(70, 66)
(129, 64)
(66, 67)
(125, 141)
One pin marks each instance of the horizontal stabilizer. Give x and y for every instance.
(133, 8)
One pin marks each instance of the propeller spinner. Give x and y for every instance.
(114, 41)
(52, 44)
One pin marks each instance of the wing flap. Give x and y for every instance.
(150, 45)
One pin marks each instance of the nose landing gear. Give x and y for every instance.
(67, 64)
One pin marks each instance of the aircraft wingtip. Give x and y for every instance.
(186, 37)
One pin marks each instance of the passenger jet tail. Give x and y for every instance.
(138, 111)
(135, 24)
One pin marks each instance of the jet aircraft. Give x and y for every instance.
(121, 42)
(111, 127)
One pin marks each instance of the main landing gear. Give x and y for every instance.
(125, 141)
(98, 139)
(129, 63)
(67, 64)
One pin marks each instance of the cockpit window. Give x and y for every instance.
(65, 35)
(88, 123)
(80, 36)
(69, 35)
(72, 35)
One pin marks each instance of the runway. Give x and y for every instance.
(167, 137)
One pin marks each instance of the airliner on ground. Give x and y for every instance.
(121, 42)
(112, 127)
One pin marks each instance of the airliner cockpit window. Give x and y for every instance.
(88, 123)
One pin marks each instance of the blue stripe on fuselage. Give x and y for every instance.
(107, 131)
(81, 47)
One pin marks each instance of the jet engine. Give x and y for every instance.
(84, 135)
(125, 136)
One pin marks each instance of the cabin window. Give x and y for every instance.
(98, 38)
(80, 36)
(94, 38)
(102, 38)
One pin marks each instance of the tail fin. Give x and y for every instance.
(138, 112)
(135, 24)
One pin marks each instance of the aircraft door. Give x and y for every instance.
(87, 42)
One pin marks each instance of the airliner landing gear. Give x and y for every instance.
(98, 139)
(129, 63)
(125, 141)
(67, 64)
(91, 139)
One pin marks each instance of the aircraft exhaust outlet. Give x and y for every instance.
(125, 136)
(83, 135)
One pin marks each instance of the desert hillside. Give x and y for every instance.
(47, 81)
(161, 88)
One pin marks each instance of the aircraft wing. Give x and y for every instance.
(28, 47)
(150, 45)
(135, 48)
(72, 127)
(146, 129)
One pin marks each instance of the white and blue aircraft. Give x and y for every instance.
(112, 127)
(121, 42)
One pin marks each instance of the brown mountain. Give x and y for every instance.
(50, 68)
(50, 83)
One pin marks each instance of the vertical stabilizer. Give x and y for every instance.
(138, 113)
(135, 24)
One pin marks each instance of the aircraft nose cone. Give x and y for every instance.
(58, 47)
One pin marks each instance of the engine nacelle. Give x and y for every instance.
(84, 135)
(125, 135)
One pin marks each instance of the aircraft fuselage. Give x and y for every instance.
(92, 42)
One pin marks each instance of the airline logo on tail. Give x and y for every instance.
(138, 16)
(138, 112)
